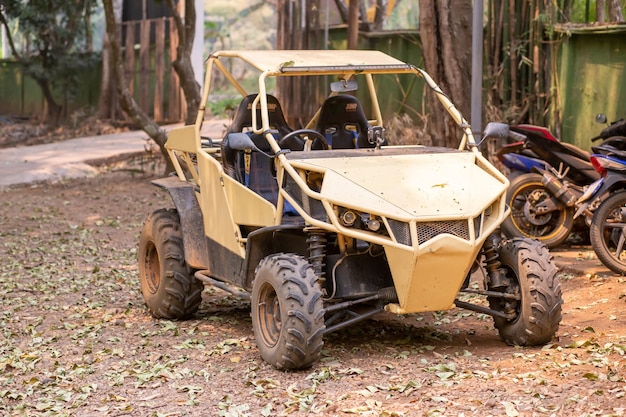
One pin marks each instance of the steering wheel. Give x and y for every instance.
(295, 142)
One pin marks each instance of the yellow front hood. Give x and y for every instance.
(426, 186)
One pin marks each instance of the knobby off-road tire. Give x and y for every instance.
(554, 227)
(167, 283)
(607, 232)
(532, 274)
(287, 312)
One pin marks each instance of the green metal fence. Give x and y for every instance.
(590, 80)
(21, 96)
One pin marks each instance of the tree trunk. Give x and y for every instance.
(567, 10)
(298, 28)
(446, 34)
(381, 15)
(106, 87)
(182, 65)
(600, 11)
(343, 10)
(53, 111)
(107, 107)
(127, 102)
(353, 25)
(615, 11)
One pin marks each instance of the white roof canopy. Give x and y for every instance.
(331, 61)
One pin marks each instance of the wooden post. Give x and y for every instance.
(130, 56)
(353, 24)
(174, 95)
(144, 63)
(159, 68)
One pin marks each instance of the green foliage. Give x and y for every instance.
(405, 15)
(223, 106)
(54, 37)
(245, 24)
(584, 11)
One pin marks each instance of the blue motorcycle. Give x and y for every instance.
(547, 177)
(607, 231)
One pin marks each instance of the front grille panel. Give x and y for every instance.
(401, 231)
(429, 230)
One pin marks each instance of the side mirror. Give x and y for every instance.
(241, 142)
(601, 118)
(495, 130)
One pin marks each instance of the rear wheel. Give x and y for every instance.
(287, 312)
(608, 232)
(167, 283)
(523, 195)
(531, 275)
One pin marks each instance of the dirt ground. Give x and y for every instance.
(77, 340)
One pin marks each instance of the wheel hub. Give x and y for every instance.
(269, 315)
(530, 211)
(152, 268)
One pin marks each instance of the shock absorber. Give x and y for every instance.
(317, 250)
(497, 275)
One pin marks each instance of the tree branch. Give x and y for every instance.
(182, 65)
(3, 20)
(127, 101)
(343, 10)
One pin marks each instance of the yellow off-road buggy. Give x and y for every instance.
(325, 226)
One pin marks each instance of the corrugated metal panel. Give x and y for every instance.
(591, 80)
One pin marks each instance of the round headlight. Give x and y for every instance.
(373, 225)
(348, 218)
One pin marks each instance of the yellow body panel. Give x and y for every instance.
(227, 204)
(185, 138)
(219, 224)
(425, 283)
(248, 208)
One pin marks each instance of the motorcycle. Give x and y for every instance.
(543, 198)
(534, 146)
(607, 231)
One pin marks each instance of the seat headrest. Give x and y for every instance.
(243, 115)
(342, 109)
(338, 118)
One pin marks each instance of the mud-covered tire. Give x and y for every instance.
(168, 286)
(551, 228)
(287, 312)
(532, 274)
(608, 232)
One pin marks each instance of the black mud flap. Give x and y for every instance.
(184, 197)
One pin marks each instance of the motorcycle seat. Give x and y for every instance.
(577, 151)
(609, 150)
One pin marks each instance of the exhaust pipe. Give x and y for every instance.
(559, 189)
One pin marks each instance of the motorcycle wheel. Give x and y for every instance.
(608, 232)
(523, 195)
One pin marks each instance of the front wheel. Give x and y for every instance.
(168, 286)
(608, 232)
(531, 276)
(523, 195)
(287, 312)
